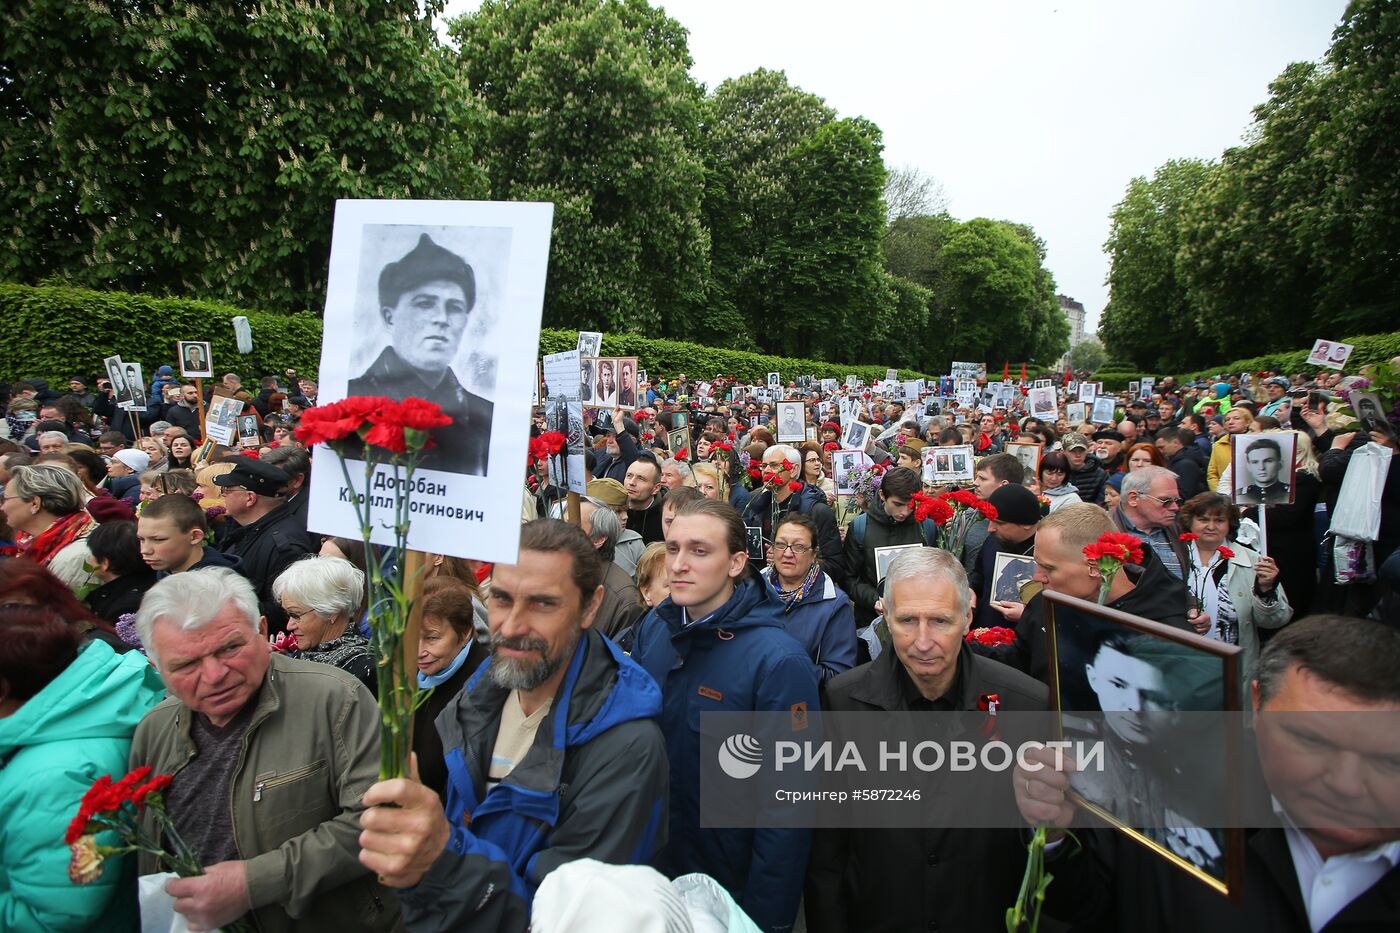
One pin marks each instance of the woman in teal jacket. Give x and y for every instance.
(67, 714)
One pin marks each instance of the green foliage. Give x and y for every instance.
(1295, 232)
(590, 105)
(57, 331)
(199, 147)
(1087, 356)
(1369, 349)
(1149, 319)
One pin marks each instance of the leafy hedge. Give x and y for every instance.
(1373, 348)
(55, 332)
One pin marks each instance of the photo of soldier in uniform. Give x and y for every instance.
(791, 422)
(627, 382)
(605, 383)
(1262, 468)
(426, 299)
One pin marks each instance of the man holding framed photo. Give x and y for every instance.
(1326, 858)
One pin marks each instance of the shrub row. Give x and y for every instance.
(55, 332)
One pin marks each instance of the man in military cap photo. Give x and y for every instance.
(1263, 480)
(425, 300)
(270, 535)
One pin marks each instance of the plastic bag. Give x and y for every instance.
(158, 908)
(1357, 514)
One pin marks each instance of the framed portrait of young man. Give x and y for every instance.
(774, 380)
(195, 362)
(1153, 704)
(1103, 411)
(1043, 404)
(1263, 468)
(438, 300)
(627, 383)
(792, 422)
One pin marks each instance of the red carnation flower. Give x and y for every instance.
(1188, 536)
(1224, 552)
(416, 414)
(328, 424)
(795, 486)
(756, 474)
(994, 635)
(683, 453)
(927, 507)
(388, 436)
(553, 441)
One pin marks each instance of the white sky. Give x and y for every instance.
(1038, 112)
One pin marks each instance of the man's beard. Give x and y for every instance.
(519, 674)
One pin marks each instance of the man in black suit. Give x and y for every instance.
(425, 300)
(1327, 857)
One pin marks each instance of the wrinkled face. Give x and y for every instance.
(773, 463)
(642, 480)
(1058, 569)
(792, 552)
(1263, 464)
(671, 477)
(165, 547)
(214, 670)
(537, 616)
(927, 626)
(1212, 526)
(1108, 448)
(707, 485)
(1325, 759)
(438, 645)
(115, 468)
(55, 446)
(19, 513)
(1158, 508)
(309, 626)
(1126, 684)
(152, 448)
(426, 325)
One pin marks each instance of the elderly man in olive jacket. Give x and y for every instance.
(270, 758)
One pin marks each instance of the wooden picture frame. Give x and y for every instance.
(1079, 635)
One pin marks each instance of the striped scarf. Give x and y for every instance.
(792, 597)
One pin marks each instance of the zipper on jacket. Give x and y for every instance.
(283, 779)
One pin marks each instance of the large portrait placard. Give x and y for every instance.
(438, 300)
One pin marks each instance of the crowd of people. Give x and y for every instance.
(163, 603)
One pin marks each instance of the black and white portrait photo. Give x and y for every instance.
(1009, 574)
(856, 436)
(945, 465)
(116, 374)
(1087, 390)
(1028, 454)
(1262, 467)
(1103, 412)
(1076, 412)
(586, 366)
(627, 382)
(792, 422)
(774, 381)
(1329, 353)
(135, 386)
(1042, 399)
(195, 362)
(590, 343)
(844, 463)
(605, 382)
(248, 434)
(441, 301)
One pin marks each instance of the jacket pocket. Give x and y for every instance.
(300, 796)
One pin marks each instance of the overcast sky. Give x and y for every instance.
(1038, 112)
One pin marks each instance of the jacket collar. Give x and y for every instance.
(267, 701)
(884, 682)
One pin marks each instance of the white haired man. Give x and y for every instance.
(794, 494)
(270, 758)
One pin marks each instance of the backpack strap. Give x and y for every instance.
(858, 529)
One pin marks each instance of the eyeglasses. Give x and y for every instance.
(797, 549)
(298, 616)
(1169, 501)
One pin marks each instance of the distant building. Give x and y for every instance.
(1074, 313)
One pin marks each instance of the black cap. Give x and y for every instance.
(1108, 434)
(1015, 504)
(426, 262)
(255, 476)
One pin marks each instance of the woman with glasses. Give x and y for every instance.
(814, 469)
(1054, 480)
(44, 506)
(816, 611)
(320, 596)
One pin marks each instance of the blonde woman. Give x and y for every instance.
(652, 584)
(710, 481)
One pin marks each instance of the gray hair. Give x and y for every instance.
(928, 562)
(327, 586)
(1140, 481)
(160, 427)
(604, 524)
(192, 599)
(789, 453)
(58, 488)
(52, 435)
(683, 469)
